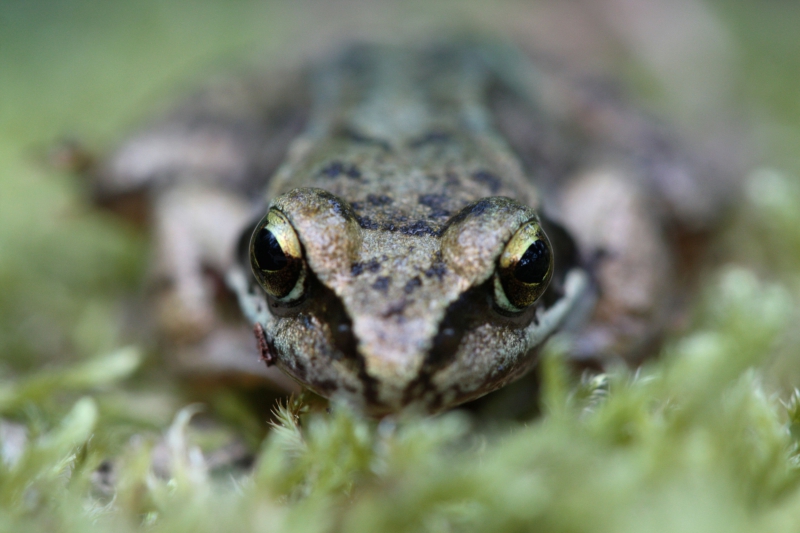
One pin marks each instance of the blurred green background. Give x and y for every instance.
(726, 73)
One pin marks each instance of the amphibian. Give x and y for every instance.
(431, 216)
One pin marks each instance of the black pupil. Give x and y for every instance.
(269, 254)
(534, 264)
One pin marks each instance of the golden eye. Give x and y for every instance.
(524, 269)
(276, 257)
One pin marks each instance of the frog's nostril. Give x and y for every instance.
(343, 338)
(445, 344)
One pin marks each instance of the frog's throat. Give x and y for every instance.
(251, 300)
(576, 286)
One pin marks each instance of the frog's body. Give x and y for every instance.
(421, 196)
(403, 190)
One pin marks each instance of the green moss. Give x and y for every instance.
(691, 443)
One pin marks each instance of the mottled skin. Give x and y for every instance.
(404, 195)
(404, 173)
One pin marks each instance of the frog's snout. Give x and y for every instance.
(392, 350)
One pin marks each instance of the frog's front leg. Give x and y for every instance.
(195, 229)
(621, 185)
(611, 216)
(199, 169)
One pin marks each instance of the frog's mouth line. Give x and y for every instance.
(576, 287)
(462, 314)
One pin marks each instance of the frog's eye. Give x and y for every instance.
(276, 257)
(524, 269)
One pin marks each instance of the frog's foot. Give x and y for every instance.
(228, 354)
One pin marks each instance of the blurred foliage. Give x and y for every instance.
(94, 438)
(768, 50)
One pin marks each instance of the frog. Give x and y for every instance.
(426, 217)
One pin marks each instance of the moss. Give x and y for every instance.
(691, 442)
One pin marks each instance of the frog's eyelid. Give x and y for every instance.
(474, 238)
(330, 248)
(276, 239)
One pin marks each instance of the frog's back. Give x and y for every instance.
(405, 136)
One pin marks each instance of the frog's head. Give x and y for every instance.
(389, 319)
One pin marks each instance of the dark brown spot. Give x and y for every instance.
(353, 172)
(338, 206)
(382, 199)
(437, 268)
(412, 285)
(373, 265)
(437, 204)
(434, 201)
(332, 169)
(473, 210)
(356, 269)
(382, 283)
(418, 228)
(367, 223)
